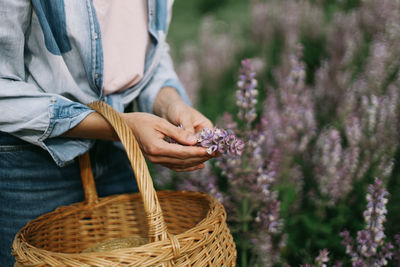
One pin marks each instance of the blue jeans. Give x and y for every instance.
(31, 184)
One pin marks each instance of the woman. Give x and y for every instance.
(55, 57)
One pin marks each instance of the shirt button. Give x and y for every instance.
(96, 76)
(96, 35)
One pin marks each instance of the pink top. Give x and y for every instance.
(124, 30)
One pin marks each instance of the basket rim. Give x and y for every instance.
(203, 232)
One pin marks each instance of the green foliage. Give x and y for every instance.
(314, 51)
(210, 5)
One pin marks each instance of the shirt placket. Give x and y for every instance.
(152, 19)
(97, 50)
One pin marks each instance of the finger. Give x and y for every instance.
(161, 148)
(194, 168)
(187, 124)
(204, 124)
(182, 136)
(182, 152)
(201, 122)
(178, 162)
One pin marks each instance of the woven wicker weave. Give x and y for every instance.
(183, 228)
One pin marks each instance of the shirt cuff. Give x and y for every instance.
(64, 115)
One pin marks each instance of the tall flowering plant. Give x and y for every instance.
(245, 185)
(253, 202)
(371, 248)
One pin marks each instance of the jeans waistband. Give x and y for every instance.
(7, 139)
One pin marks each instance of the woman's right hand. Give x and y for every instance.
(150, 131)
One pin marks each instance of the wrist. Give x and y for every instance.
(165, 98)
(94, 126)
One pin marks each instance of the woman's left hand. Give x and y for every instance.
(169, 105)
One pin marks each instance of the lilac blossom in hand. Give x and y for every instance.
(220, 140)
(217, 140)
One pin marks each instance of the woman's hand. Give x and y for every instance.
(170, 106)
(150, 131)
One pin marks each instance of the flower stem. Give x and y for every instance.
(245, 228)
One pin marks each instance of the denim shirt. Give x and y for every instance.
(51, 65)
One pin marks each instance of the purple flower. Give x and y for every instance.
(335, 165)
(322, 258)
(247, 92)
(371, 249)
(348, 242)
(220, 140)
(289, 111)
(217, 139)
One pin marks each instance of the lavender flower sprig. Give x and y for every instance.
(217, 140)
(246, 93)
(220, 140)
(321, 260)
(371, 249)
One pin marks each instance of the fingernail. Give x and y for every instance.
(192, 139)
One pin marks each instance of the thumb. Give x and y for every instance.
(187, 124)
(182, 136)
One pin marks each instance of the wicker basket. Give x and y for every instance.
(182, 228)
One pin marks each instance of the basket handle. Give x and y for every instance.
(156, 223)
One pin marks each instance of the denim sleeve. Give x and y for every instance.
(164, 76)
(40, 118)
(26, 111)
